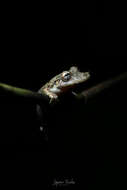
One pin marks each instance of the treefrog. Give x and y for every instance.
(64, 82)
(58, 85)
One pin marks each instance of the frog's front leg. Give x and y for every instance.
(52, 96)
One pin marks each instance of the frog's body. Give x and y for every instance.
(63, 82)
(57, 86)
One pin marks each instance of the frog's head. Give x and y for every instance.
(72, 77)
(67, 80)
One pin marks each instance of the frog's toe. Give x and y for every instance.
(52, 100)
(41, 128)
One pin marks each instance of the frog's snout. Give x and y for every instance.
(87, 75)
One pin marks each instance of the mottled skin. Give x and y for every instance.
(63, 82)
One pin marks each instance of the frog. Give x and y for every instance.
(63, 82)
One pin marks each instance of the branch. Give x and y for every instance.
(42, 98)
(95, 90)
(24, 93)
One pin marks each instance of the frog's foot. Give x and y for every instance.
(41, 128)
(74, 93)
(44, 132)
(53, 98)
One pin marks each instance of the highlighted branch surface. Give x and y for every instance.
(23, 92)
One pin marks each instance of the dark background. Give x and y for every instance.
(86, 142)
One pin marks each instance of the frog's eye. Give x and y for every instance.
(66, 76)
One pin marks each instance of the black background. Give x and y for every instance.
(86, 142)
